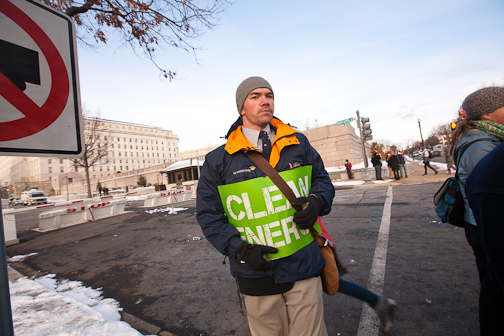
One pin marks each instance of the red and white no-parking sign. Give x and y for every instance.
(39, 85)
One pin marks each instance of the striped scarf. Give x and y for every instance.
(490, 127)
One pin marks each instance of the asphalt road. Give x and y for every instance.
(153, 267)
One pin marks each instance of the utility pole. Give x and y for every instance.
(421, 136)
(197, 163)
(367, 177)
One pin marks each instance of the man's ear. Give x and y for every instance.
(242, 113)
(486, 117)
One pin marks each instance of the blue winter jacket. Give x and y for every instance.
(472, 155)
(229, 164)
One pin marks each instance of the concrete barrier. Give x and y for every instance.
(143, 190)
(78, 213)
(9, 224)
(178, 195)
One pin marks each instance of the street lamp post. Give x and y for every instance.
(421, 136)
(197, 163)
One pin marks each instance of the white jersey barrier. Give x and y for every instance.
(9, 224)
(179, 195)
(80, 213)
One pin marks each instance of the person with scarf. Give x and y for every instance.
(481, 131)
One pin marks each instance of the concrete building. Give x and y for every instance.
(336, 143)
(130, 147)
(201, 152)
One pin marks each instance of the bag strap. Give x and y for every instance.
(267, 169)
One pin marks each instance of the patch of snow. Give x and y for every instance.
(168, 209)
(46, 306)
(20, 257)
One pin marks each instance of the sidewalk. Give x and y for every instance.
(415, 176)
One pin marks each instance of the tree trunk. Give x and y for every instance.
(86, 167)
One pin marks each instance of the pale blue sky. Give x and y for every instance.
(394, 61)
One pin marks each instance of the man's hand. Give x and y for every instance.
(306, 218)
(253, 255)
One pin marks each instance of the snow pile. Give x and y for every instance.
(135, 198)
(169, 210)
(356, 166)
(437, 165)
(46, 306)
(20, 257)
(358, 182)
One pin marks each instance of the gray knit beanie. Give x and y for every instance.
(246, 87)
(483, 101)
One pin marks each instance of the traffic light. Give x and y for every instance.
(462, 114)
(453, 125)
(366, 129)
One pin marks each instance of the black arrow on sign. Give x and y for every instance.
(19, 64)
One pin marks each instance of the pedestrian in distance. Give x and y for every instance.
(449, 160)
(393, 163)
(283, 295)
(377, 164)
(426, 154)
(402, 164)
(348, 167)
(480, 132)
(391, 172)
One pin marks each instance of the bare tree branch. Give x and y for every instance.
(149, 25)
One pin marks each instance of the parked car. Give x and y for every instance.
(33, 196)
(14, 201)
(416, 153)
(436, 153)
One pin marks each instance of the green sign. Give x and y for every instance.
(345, 121)
(262, 214)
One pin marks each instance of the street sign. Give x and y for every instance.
(39, 86)
(345, 121)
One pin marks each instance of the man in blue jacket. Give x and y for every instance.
(275, 260)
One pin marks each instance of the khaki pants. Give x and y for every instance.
(303, 305)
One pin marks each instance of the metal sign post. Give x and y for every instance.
(6, 326)
(367, 176)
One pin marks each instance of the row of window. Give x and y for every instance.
(50, 170)
(136, 140)
(141, 129)
(141, 147)
(121, 169)
(112, 154)
(49, 161)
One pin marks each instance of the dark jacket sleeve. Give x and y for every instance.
(210, 211)
(485, 193)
